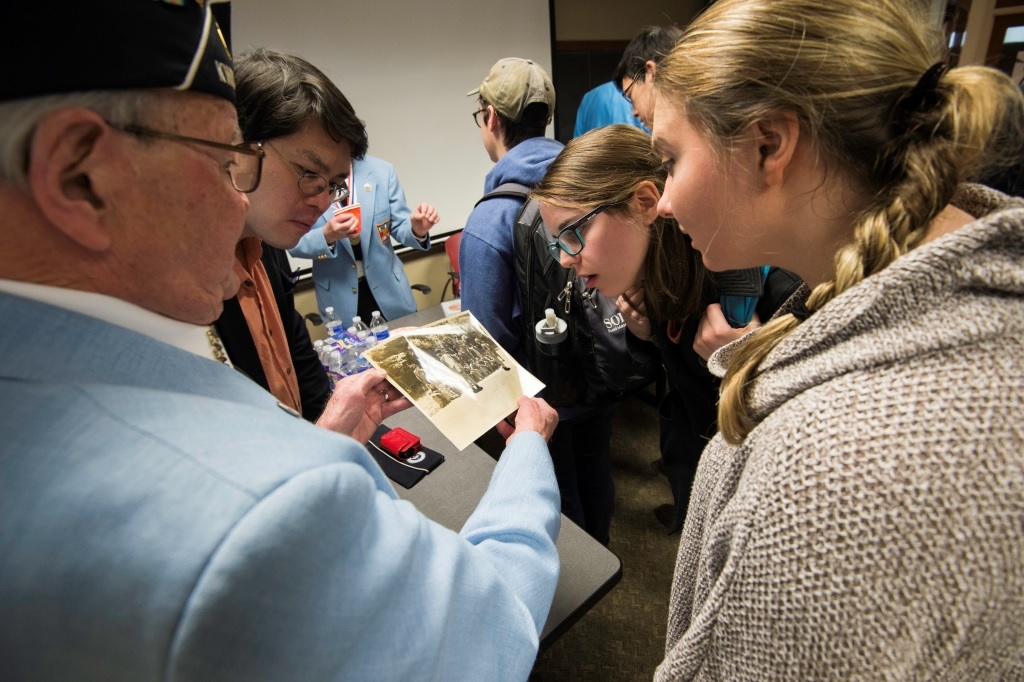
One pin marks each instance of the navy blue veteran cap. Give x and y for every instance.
(63, 46)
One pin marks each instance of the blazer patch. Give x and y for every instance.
(384, 231)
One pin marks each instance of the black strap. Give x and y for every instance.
(513, 190)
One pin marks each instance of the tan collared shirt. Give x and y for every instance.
(256, 298)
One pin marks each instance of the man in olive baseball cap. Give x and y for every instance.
(515, 104)
(513, 84)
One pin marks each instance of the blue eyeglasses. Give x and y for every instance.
(570, 237)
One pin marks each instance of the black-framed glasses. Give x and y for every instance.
(312, 184)
(570, 237)
(244, 169)
(637, 77)
(476, 116)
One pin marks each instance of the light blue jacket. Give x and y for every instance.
(161, 518)
(334, 270)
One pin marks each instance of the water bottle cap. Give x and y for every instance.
(548, 334)
(376, 313)
(329, 309)
(356, 318)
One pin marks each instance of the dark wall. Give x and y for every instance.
(578, 67)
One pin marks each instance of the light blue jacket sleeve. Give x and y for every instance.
(180, 526)
(329, 577)
(401, 226)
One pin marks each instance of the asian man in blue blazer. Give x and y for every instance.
(355, 268)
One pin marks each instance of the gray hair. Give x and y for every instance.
(19, 118)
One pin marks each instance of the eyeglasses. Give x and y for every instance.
(570, 237)
(244, 169)
(476, 115)
(637, 77)
(312, 184)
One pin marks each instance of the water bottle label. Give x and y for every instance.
(382, 334)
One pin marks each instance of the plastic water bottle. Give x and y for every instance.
(334, 371)
(363, 332)
(325, 352)
(358, 362)
(550, 335)
(378, 326)
(332, 323)
(348, 361)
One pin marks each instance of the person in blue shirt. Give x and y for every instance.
(602, 106)
(626, 98)
(634, 74)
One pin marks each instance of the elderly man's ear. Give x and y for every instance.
(74, 157)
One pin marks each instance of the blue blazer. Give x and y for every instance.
(334, 270)
(161, 518)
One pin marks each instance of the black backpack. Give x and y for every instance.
(594, 364)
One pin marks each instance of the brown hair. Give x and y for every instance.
(853, 73)
(606, 166)
(277, 93)
(533, 123)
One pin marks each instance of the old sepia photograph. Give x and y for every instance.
(456, 374)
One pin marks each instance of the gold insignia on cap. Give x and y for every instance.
(223, 42)
(225, 72)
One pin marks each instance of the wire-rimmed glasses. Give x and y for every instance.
(245, 169)
(312, 184)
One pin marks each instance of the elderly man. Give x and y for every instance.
(161, 517)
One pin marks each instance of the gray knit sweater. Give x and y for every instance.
(872, 525)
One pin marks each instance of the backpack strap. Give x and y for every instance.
(778, 287)
(512, 190)
(533, 265)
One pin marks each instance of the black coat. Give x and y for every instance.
(689, 411)
(314, 387)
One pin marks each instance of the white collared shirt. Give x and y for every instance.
(188, 337)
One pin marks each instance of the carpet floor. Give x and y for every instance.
(623, 637)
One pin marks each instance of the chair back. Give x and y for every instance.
(451, 247)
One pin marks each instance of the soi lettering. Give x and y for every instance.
(615, 322)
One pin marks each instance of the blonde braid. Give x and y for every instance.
(939, 149)
(880, 236)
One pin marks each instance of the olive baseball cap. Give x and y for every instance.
(514, 83)
(65, 46)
